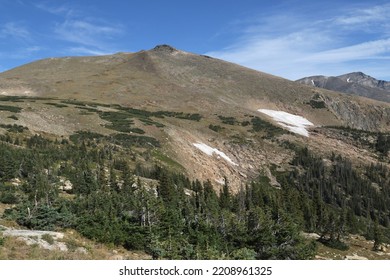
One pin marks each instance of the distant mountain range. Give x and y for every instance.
(356, 83)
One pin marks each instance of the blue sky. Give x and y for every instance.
(291, 39)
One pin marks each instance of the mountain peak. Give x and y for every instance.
(357, 83)
(356, 74)
(164, 48)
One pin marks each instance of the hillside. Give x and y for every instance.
(356, 83)
(166, 79)
(114, 144)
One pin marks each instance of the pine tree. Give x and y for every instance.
(166, 189)
(225, 201)
(378, 236)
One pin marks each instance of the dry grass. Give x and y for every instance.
(79, 248)
(359, 248)
(14, 248)
(2, 208)
(165, 80)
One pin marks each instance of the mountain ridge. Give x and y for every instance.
(160, 70)
(356, 83)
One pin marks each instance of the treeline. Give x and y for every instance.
(346, 199)
(169, 216)
(378, 142)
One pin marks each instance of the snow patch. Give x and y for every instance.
(312, 82)
(293, 123)
(348, 80)
(210, 151)
(220, 181)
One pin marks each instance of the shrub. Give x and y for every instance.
(58, 105)
(11, 98)
(335, 244)
(12, 109)
(135, 140)
(261, 125)
(243, 254)
(228, 120)
(42, 217)
(216, 128)
(317, 104)
(245, 123)
(13, 117)
(8, 198)
(80, 136)
(48, 238)
(14, 128)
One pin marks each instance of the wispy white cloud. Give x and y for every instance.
(356, 17)
(86, 51)
(304, 47)
(18, 40)
(86, 33)
(14, 30)
(62, 10)
(377, 49)
(21, 52)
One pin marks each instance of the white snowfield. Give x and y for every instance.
(210, 151)
(293, 123)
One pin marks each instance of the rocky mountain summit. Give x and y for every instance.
(356, 83)
(365, 80)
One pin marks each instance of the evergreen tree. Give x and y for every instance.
(378, 237)
(224, 196)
